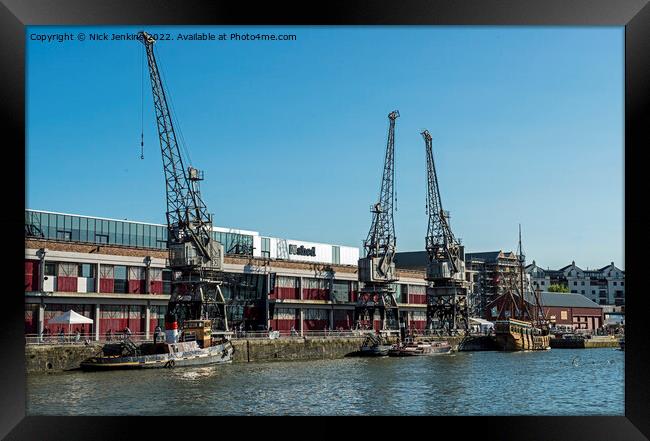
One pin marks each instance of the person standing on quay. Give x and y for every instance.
(156, 333)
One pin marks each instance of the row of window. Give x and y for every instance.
(102, 231)
(119, 274)
(574, 284)
(583, 283)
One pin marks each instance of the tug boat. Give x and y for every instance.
(198, 348)
(410, 349)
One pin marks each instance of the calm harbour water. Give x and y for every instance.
(555, 382)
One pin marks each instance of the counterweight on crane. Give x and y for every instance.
(195, 258)
(377, 269)
(446, 291)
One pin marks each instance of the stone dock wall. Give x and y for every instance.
(57, 358)
(575, 343)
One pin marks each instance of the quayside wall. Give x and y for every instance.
(579, 343)
(57, 358)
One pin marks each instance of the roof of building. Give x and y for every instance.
(569, 300)
(566, 300)
(486, 255)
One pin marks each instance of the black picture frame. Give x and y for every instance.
(633, 14)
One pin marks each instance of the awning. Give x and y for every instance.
(71, 318)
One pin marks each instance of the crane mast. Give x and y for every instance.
(377, 269)
(195, 258)
(447, 308)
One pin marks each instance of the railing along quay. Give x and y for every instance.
(82, 339)
(91, 338)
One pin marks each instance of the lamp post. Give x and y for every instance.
(41, 268)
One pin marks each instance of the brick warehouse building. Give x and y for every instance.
(567, 309)
(114, 272)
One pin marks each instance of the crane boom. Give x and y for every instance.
(187, 217)
(377, 268)
(441, 245)
(195, 257)
(447, 307)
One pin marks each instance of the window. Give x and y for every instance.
(563, 315)
(83, 229)
(582, 283)
(101, 238)
(593, 291)
(167, 281)
(336, 255)
(63, 235)
(622, 283)
(543, 283)
(75, 229)
(112, 229)
(50, 269)
(340, 291)
(582, 292)
(614, 283)
(575, 283)
(86, 270)
(266, 247)
(120, 281)
(573, 291)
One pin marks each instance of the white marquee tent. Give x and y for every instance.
(71, 318)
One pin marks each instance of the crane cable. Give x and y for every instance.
(141, 104)
(184, 151)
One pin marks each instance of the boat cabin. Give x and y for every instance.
(199, 331)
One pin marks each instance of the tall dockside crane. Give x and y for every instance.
(377, 269)
(195, 258)
(446, 291)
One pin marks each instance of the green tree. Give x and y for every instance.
(558, 288)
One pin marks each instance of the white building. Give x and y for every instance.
(605, 286)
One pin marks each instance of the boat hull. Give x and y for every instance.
(375, 351)
(520, 336)
(419, 351)
(218, 354)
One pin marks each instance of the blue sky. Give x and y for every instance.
(527, 126)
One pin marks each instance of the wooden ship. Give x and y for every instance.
(519, 327)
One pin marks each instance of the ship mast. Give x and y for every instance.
(522, 258)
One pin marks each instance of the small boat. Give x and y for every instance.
(410, 349)
(199, 348)
(374, 351)
(374, 346)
